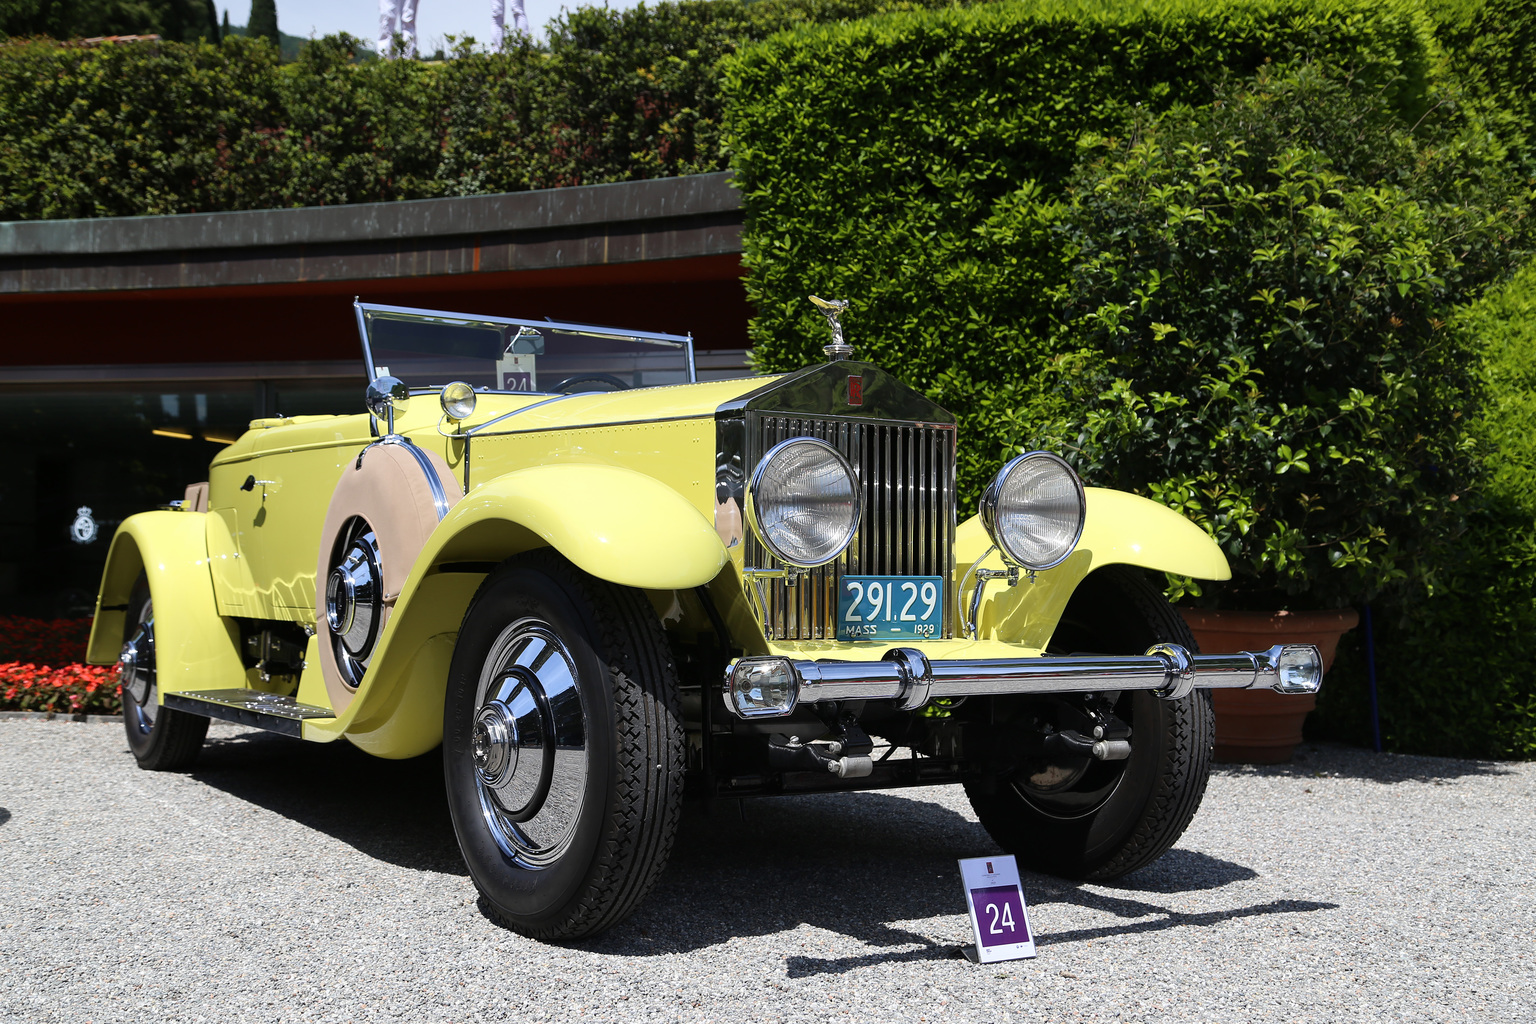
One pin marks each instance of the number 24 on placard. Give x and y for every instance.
(1005, 919)
(882, 598)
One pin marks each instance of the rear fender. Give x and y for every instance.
(195, 648)
(616, 524)
(1120, 528)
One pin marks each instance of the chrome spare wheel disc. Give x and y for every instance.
(354, 600)
(529, 744)
(138, 673)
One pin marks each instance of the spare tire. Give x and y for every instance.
(387, 504)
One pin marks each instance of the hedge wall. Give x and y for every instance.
(914, 164)
(924, 166)
(1254, 331)
(1488, 45)
(1454, 669)
(186, 20)
(172, 128)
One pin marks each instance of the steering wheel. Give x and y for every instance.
(615, 384)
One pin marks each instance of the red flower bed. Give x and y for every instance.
(67, 690)
(40, 669)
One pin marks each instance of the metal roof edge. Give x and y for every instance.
(618, 202)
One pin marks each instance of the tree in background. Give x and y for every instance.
(263, 22)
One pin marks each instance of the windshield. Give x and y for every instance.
(428, 348)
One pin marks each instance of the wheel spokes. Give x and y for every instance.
(532, 653)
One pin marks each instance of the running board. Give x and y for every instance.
(248, 707)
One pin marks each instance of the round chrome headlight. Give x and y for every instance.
(803, 503)
(457, 400)
(1034, 510)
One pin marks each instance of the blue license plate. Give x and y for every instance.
(890, 608)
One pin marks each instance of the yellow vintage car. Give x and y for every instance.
(599, 584)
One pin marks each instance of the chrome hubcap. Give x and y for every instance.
(495, 742)
(528, 744)
(138, 673)
(354, 600)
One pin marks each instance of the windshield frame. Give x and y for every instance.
(361, 309)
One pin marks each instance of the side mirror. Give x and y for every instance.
(527, 341)
(385, 397)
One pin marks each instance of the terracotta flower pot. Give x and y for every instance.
(1261, 726)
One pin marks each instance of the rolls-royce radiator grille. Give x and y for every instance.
(907, 473)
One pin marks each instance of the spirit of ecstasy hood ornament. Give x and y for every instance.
(832, 309)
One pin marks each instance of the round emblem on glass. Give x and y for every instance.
(83, 530)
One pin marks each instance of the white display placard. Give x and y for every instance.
(517, 372)
(999, 916)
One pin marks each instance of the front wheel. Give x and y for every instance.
(1082, 818)
(563, 747)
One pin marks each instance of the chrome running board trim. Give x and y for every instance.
(248, 707)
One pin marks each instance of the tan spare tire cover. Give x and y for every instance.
(389, 493)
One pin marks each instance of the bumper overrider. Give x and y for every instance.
(771, 687)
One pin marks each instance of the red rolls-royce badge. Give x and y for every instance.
(855, 390)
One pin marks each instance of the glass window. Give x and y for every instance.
(81, 460)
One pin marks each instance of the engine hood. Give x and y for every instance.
(842, 388)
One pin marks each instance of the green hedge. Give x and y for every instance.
(121, 130)
(182, 20)
(172, 128)
(924, 166)
(1454, 669)
(1489, 46)
(1258, 298)
(915, 165)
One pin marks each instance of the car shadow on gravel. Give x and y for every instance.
(852, 864)
(395, 811)
(861, 864)
(1144, 917)
(856, 864)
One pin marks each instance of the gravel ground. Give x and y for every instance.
(1344, 886)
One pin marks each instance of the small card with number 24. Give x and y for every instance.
(999, 919)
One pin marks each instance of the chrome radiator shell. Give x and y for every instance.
(903, 449)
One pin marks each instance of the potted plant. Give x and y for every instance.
(1254, 333)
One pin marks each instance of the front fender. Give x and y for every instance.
(1120, 528)
(616, 524)
(1132, 530)
(195, 648)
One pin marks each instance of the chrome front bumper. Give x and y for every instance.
(771, 687)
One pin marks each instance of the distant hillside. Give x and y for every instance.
(290, 44)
